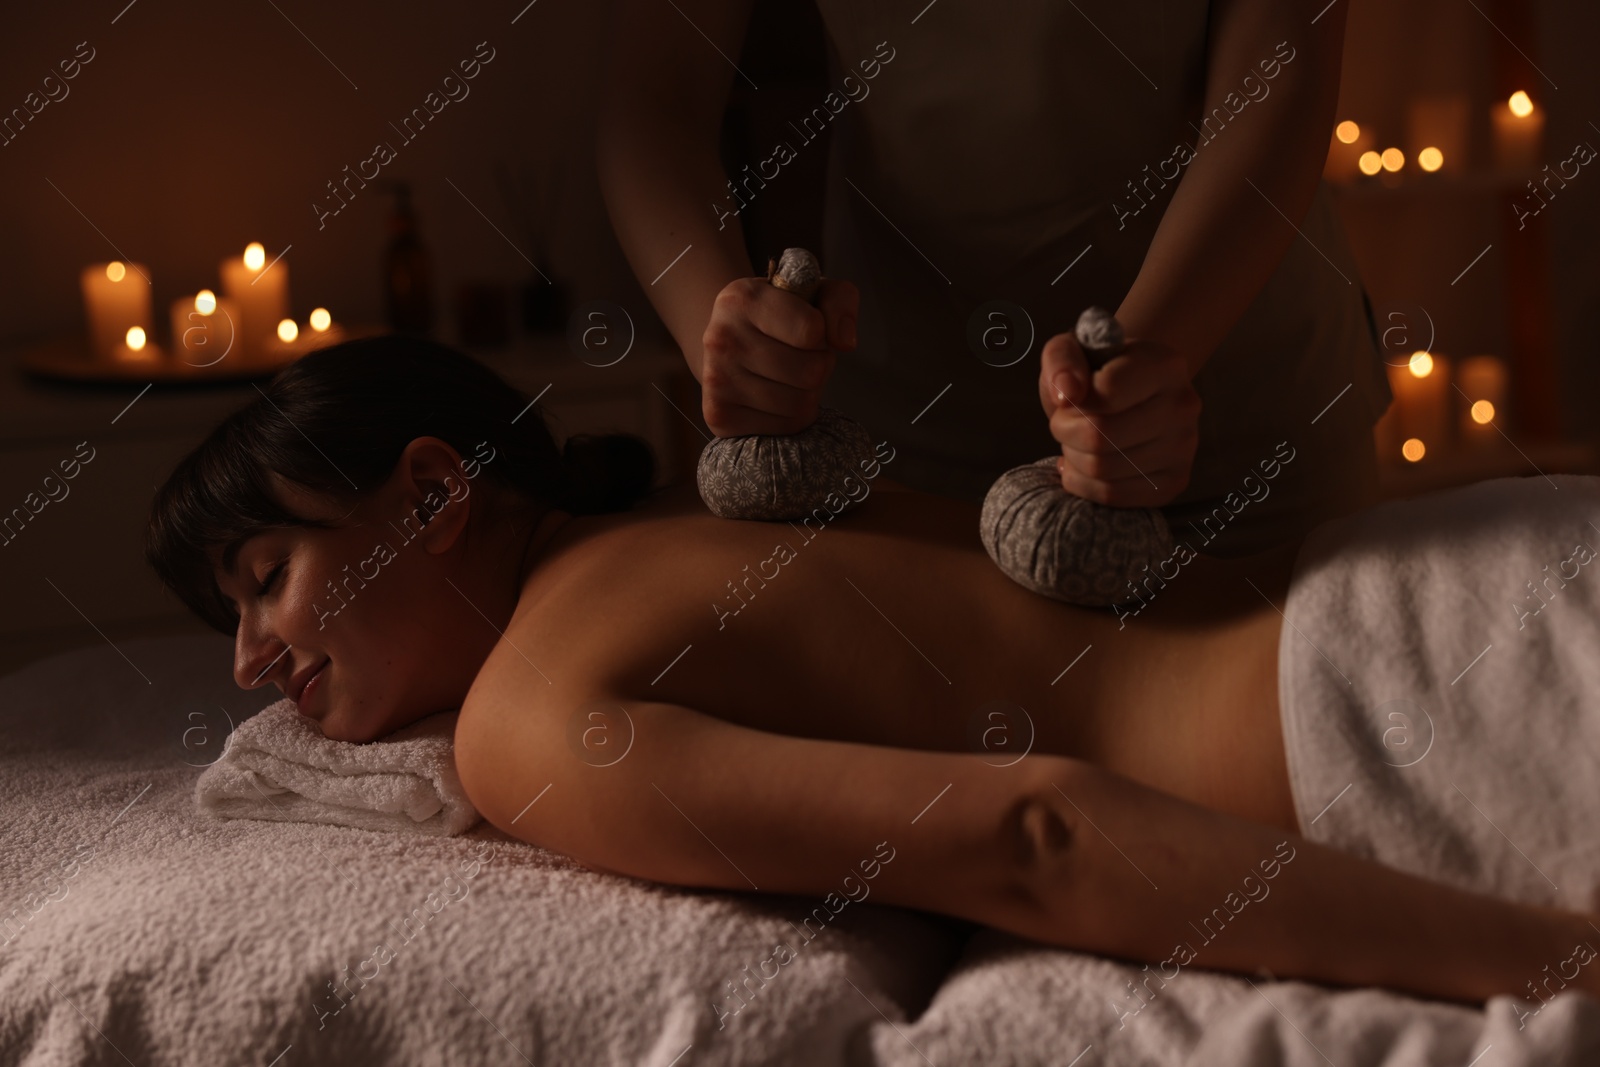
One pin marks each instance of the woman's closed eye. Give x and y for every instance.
(271, 578)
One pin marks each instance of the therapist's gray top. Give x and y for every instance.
(980, 163)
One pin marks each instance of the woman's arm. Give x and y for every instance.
(1222, 235)
(1163, 881)
(663, 792)
(1053, 848)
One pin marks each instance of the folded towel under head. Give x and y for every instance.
(279, 766)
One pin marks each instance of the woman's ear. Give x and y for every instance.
(434, 490)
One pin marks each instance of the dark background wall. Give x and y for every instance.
(199, 127)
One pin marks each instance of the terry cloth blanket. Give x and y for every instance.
(1440, 688)
(277, 765)
(128, 918)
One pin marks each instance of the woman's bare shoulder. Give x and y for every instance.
(597, 608)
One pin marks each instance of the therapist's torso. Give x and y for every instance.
(985, 158)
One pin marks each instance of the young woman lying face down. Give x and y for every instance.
(391, 531)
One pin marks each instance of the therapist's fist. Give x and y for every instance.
(768, 354)
(1128, 431)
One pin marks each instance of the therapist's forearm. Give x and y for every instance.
(659, 182)
(1239, 202)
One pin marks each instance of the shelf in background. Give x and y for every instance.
(68, 359)
(1422, 183)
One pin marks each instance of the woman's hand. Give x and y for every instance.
(1127, 431)
(768, 354)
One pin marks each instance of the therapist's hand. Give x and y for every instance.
(1127, 431)
(768, 354)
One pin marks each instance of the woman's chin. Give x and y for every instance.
(332, 731)
(335, 727)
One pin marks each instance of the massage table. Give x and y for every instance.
(135, 928)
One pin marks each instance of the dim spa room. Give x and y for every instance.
(698, 532)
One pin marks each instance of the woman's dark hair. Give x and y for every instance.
(336, 421)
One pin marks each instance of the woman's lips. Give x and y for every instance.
(312, 687)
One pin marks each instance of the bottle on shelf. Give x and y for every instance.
(407, 270)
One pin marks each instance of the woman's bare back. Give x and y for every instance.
(889, 625)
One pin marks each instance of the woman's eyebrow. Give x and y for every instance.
(230, 553)
(231, 550)
(230, 563)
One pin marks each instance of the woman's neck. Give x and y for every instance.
(542, 531)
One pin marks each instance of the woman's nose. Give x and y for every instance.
(254, 659)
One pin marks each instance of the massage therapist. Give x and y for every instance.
(992, 171)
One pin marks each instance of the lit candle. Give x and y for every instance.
(204, 329)
(1350, 140)
(1518, 133)
(136, 347)
(324, 331)
(116, 297)
(259, 292)
(1440, 123)
(1483, 381)
(1422, 394)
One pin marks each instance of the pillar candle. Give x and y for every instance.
(259, 293)
(323, 332)
(204, 329)
(1422, 401)
(1340, 166)
(1482, 379)
(116, 297)
(1518, 139)
(1439, 122)
(136, 347)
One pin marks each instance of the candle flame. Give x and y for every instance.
(320, 319)
(1413, 449)
(1482, 412)
(136, 338)
(1347, 131)
(1370, 162)
(1421, 364)
(1393, 159)
(255, 256)
(116, 271)
(205, 301)
(1430, 159)
(288, 331)
(1520, 104)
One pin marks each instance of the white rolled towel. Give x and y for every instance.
(278, 766)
